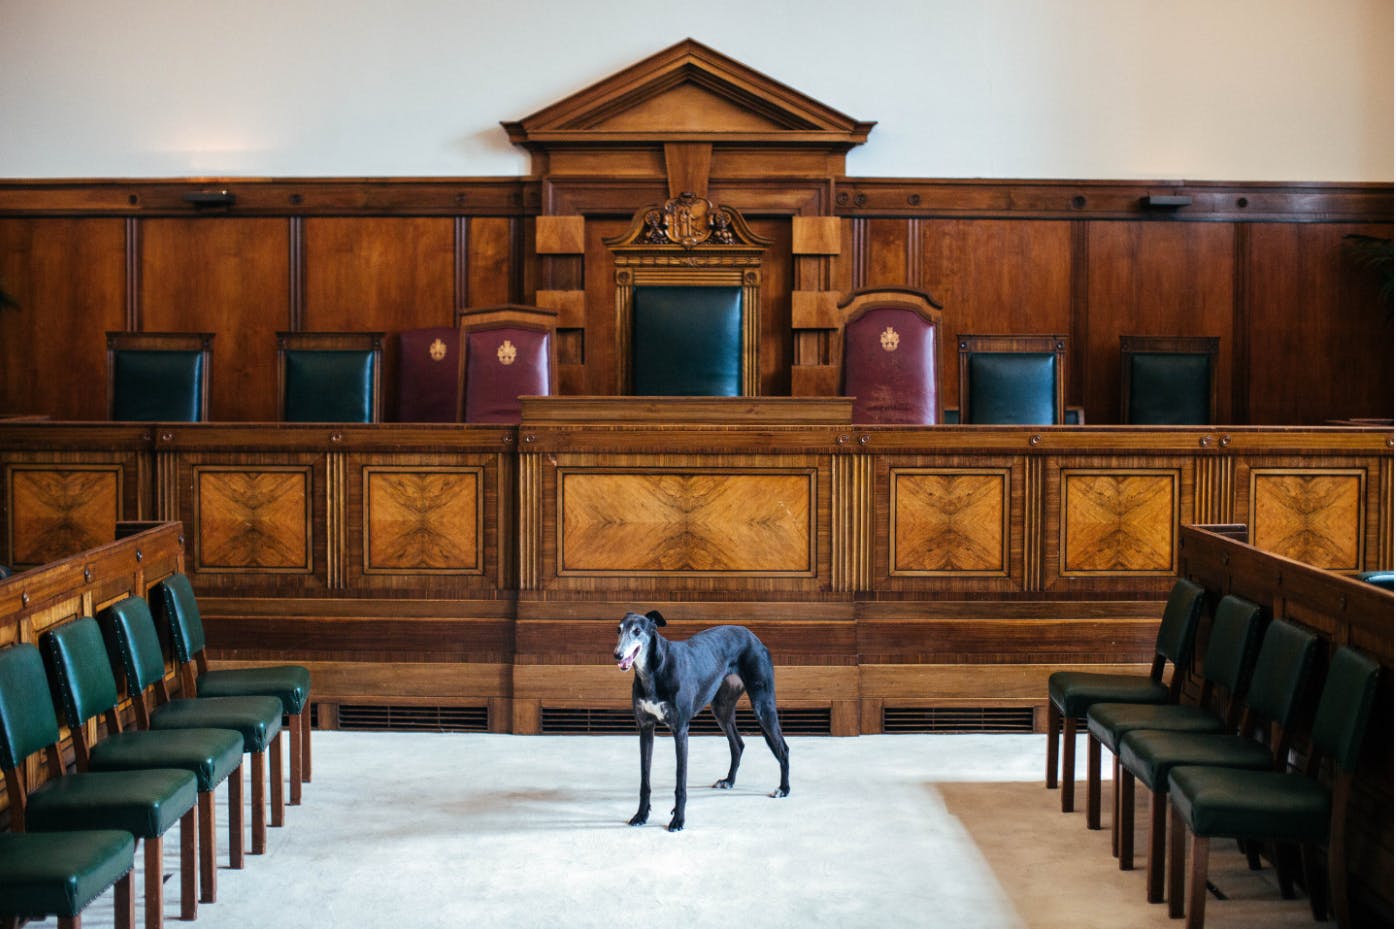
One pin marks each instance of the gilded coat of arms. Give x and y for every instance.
(507, 352)
(890, 339)
(437, 350)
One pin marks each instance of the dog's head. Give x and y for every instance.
(633, 637)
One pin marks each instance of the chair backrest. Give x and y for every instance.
(78, 659)
(176, 604)
(428, 373)
(1383, 579)
(1168, 380)
(1177, 631)
(1282, 671)
(329, 377)
(1234, 636)
(158, 376)
(1344, 707)
(27, 720)
(129, 624)
(506, 352)
(890, 356)
(687, 342)
(1012, 379)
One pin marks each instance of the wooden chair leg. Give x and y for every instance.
(1197, 883)
(1092, 782)
(297, 720)
(1115, 811)
(1054, 729)
(235, 820)
(1177, 850)
(154, 882)
(188, 866)
(1068, 763)
(278, 786)
(70, 922)
(259, 803)
(9, 922)
(1125, 788)
(1338, 851)
(1316, 882)
(305, 745)
(208, 848)
(1285, 869)
(125, 901)
(1158, 825)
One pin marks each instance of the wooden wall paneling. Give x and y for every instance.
(996, 276)
(494, 262)
(1311, 308)
(227, 275)
(777, 281)
(1153, 278)
(598, 376)
(884, 257)
(68, 277)
(382, 274)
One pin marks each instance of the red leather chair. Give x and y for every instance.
(891, 363)
(428, 382)
(506, 352)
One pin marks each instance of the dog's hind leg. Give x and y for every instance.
(725, 709)
(764, 703)
(646, 754)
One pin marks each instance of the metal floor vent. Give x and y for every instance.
(957, 719)
(560, 721)
(414, 718)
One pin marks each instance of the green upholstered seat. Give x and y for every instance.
(1170, 388)
(687, 341)
(1011, 387)
(161, 386)
(1234, 634)
(174, 602)
(59, 874)
(329, 386)
(143, 803)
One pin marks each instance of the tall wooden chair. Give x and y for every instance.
(329, 377)
(1168, 380)
(1013, 379)
(891, 356)
(506, 352)
(158, 376)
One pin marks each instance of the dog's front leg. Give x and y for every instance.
(681, 778)
(642, 815)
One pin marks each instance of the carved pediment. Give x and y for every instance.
(688, 93)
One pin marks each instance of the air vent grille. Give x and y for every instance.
(595, 721)
(957, 719)
(414, 718)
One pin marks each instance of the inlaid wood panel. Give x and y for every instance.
(692, 522)
(492, 263)
(422, 520)
(60, 511)
(1119, 522)
(252, 519)
(950, 522)
(1316, 517)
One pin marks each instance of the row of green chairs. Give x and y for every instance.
(1221, 779)
(73, 835)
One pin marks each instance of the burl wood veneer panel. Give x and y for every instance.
(56, 512)
(950, 522)
(422, 520)
(1316, 517)
(252, 519)
(1117, 522)
(690, 522)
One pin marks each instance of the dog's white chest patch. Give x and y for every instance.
(658, 710)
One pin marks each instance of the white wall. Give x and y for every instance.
(1297, 90)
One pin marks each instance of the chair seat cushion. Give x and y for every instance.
(1266, 805)
(143, 803)
(258, 719)
(1108, 722)
(1074, 691)
(1149, 754)
(209, 754)
(60, 873)
(288, 683)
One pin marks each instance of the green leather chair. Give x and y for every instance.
(79, 664)
(1012, 379)
(1226, 664)
(158, 376)
(145, 804)
(1168, 380)
(1281, 675)
(1279, 806)
(1071, 693)
(687, 342)
(174, 602)
(59, 873)
(329, 377)
(129, 625)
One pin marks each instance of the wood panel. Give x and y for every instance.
(1119, 521)
(252, 519)
(69, 280)
(231, 276)
(56, 511)
(1310, 515)
(949, 522)
(422, 520)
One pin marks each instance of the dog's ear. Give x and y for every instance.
(656, 616)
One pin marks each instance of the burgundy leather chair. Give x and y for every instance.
(506, 352)
(428, 382)
(891, 363)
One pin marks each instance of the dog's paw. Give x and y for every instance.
(676, 824)
(724, 784)
(780, 792)
(639, 819)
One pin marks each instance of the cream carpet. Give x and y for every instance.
(480, 831)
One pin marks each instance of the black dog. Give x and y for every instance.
(675, 680)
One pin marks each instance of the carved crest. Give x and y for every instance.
(689, 221)
(437, 350)
(890, 339)
(507, 352)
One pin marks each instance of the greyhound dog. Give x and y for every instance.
(675, 680)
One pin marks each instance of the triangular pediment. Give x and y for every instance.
(688, 92)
